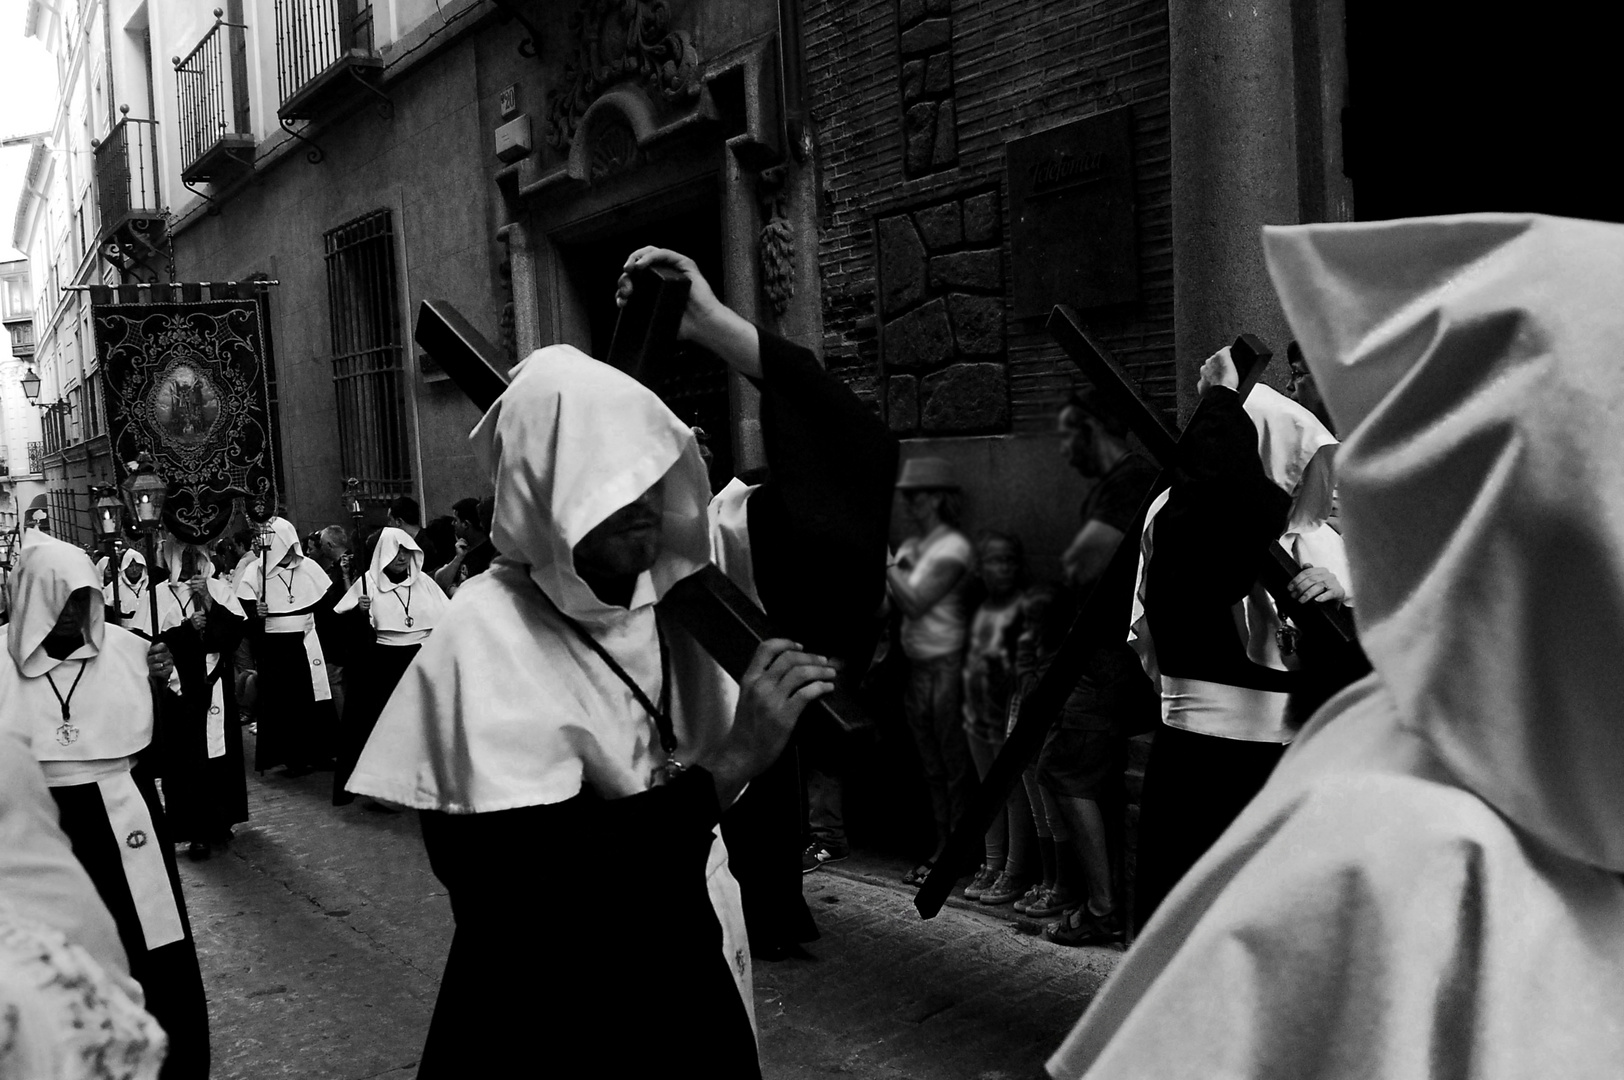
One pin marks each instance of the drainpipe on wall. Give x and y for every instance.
(791, 71)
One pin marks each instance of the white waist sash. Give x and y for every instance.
(1224, 711)
(402, 637)
(305, 624)
(215, 723)
(131, 823)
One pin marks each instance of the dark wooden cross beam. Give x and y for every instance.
(1096, 625)
(716, 612)
(1153, 429)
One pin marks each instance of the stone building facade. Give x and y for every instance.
(857, 175)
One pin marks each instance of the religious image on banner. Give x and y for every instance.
(187, 382)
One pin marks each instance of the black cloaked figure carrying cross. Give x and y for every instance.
(1096, 624)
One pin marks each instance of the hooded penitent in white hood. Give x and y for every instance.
(105, 721)
(411, 606)
(505, 707)
(570, 442)
(1428, 885)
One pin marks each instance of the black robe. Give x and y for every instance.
(637, 976)
(818, 529)
(203, 796)
(1222, 514)
(372, 670)
(294, 729)
(169, 975)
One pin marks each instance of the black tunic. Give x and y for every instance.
(818, 529)
(203, 796)
(169, 975)
(372, 670)
(295, 729)
(588, 918)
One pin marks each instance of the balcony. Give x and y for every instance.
(36, 458)
(132, 215)
(324, 53)
(211, 83)
(22, 337)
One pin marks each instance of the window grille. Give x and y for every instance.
(369, 378)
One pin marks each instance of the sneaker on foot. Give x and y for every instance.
(1053, 902)
(1032, 896)
(985, 876)
(818, 853)
(1004, 889)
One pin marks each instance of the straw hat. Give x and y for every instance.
(927, 473)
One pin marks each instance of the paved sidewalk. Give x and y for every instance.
(322, 934)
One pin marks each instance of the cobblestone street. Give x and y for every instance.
(322, 934)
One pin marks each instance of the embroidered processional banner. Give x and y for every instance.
(187, 382)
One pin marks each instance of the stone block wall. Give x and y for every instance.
(930, 138)
(941, 286)
(914, 251)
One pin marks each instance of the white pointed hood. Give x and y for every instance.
(1288, 436)
(49, 572)
(567, 444)
(416, 596)
(1478, 364)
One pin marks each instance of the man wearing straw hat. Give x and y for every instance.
(925, 582)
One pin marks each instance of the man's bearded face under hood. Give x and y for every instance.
(625, 543)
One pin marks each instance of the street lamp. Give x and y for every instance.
(109, 520)
(144, 494)
(30, 384)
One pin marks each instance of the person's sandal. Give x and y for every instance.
(918, 874)
(1080, 926)
(1003, 890)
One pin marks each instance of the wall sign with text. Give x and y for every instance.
(1071, 209)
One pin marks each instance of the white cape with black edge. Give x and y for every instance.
(1429, 884)
(505, 706)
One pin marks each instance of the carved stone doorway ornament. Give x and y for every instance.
(619, 41)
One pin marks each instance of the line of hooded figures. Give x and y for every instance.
(255, 620)
(1402, 876)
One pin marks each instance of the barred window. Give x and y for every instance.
(369, 377)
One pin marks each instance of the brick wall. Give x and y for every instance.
(1017, 67)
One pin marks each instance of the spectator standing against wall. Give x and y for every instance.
(989, 685)
(1083, 761)
(926, 582)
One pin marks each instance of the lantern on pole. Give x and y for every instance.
(109, 510)
(144, 494)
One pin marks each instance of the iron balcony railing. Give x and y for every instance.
(211, 84)
(315, 37)
(127, 171)
(36, 457)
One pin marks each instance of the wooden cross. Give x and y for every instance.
(1096, 625)
(707, 604)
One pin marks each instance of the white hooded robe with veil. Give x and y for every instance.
(506, 709)
(1429, 885)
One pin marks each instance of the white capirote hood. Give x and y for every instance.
(1288, 436)
(49, 572)
(1478, 364)
(567, 444)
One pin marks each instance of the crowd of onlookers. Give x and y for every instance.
(974, 627)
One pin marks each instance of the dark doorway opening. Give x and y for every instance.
(692, 381)
(1457, 108)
